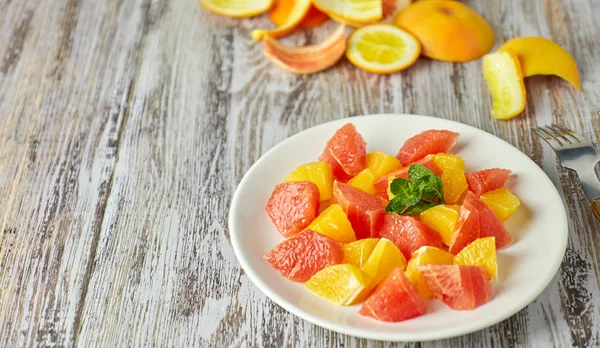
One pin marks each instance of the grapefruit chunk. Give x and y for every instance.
(364, 211)
(487, 180)
(394, 300)
(340, 284)
(460, 287)
(408, 233)
(345, 152)
(292, 206)
(467, 227)
(426, 143)
(382, 184)
(333, 223)
(489, 224)
(299, 257)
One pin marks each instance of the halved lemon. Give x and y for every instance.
(502, 72)
(237, 8)
(382, 48)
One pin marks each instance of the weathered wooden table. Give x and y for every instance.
(125, 126)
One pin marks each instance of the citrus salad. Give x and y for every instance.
(392, 232)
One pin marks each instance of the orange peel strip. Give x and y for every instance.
(237, 8)
(282, 8)
(296, 15)
(313, 18)
(307, 59)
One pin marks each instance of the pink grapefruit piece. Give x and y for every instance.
(364, 210)
(345, 152)
(408, 233)
(293, 206)
(428, 142)
(487, 180)
(489, 224)
(467, 227)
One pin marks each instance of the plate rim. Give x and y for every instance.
(468, 328)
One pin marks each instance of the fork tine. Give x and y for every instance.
(568, 132)
(550, 133)
(560, 133)
(547, 137)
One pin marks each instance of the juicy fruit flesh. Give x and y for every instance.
(345, 152)
(426, 256)
(503, 202)
(490, 225)
(454, 184)
(303, 255)
(364, 181)
(292, 206)
(441, 219)
(364, 211)
(357, 253)
(381, 163)
(333, 223)
(237, 8)
(467, 228)
(428, 142)
(502, 72)
(482, 252)
(408, 233)
(340, 284)
(487, 180)
(384, 258)
(447, 160)
(319, 173)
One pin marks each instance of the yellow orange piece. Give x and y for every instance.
(319, 173)
(442, 219)
(282, 9)
(502, 201)
(426, 255)
(384, 258)
(382, 48)
(504, 78)
(540, 56)
(237, 8)
(454, 183)
(333, 223)
(364, 181)
(381, 163)
(354, 11)
(340, 284)
(481, 252)
(306, 59)
(447, 160)
(296, 15)
(357, 253)
(447, 30)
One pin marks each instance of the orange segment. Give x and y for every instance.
(384, 258)
(319, 173)
(442, 219)
(424, 256)
(381, 163)
(357, 11)
(237, 8)
(454, 183)
(307, 59)
(447, 160)
(364, 181)
(298, 11)
(357, 253)
(539, 56)
(504, 78)
(382, 48)
(481, 252)
(503, 202)
(333, 223)
(340, 284)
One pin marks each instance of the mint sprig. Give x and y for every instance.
(421, 191)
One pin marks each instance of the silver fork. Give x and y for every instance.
(578, 154)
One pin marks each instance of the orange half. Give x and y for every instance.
(296, 14)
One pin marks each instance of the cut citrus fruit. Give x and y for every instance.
(282, 9)
(237, 8)
(306, 59)
(426, 143)
(333, 223)
(384, 258)
(502, 72)
(340, 284)
(346, 21)
(357, 11)
(297, 13)
(364, 181)
(502, 201)
(426, 255)
(454, 184)
(460, 287)
(441, 219)
(319, 173)
(408, 233)
(467, 227)
(345, 152)
(357, 253)
(490, 225)
(487, 180)
(292, 206)
(381, 163)
(540, 56)
(382, 48)
(364, 211)
(447, 160)
(482, 252)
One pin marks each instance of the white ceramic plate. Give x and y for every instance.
(525, 268)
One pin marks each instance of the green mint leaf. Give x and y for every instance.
(404, 192)
(399, 184)
(396, 205)
(424, 180)
(419, 208)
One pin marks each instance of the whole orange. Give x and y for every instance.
(448, 30)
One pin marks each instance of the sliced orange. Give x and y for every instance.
(502, 201)
(346, 21)
(447, 160)
(319, 173)
(382, 48)
(306, 59)
(364, 181)
(237, 8)
(354, 11)
(481, 252)
(381, 163)
(504, 78)
(385, 257)
(297, 13)
(454, 184)
(442, 219)
(540, 56)
(340, 284)
(357, 253)
(426, 255)
(333, 223)
(282, 8)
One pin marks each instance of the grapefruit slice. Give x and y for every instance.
(487, 180)
(333, 223)
(482, 252)
(364, 211)
(356, 11)
(394, 300)
(460, 287)
(282, 9)
(293, 206)
(298, 11)
(237, 8)
(431, 141)
(300, 257)
(357, 253)
(307, 59)
(503, 202)
(408, 233)
(467, 227)
(502, 72)
(340, 284)
(425, 255)
(489, 224)
(345, 152)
